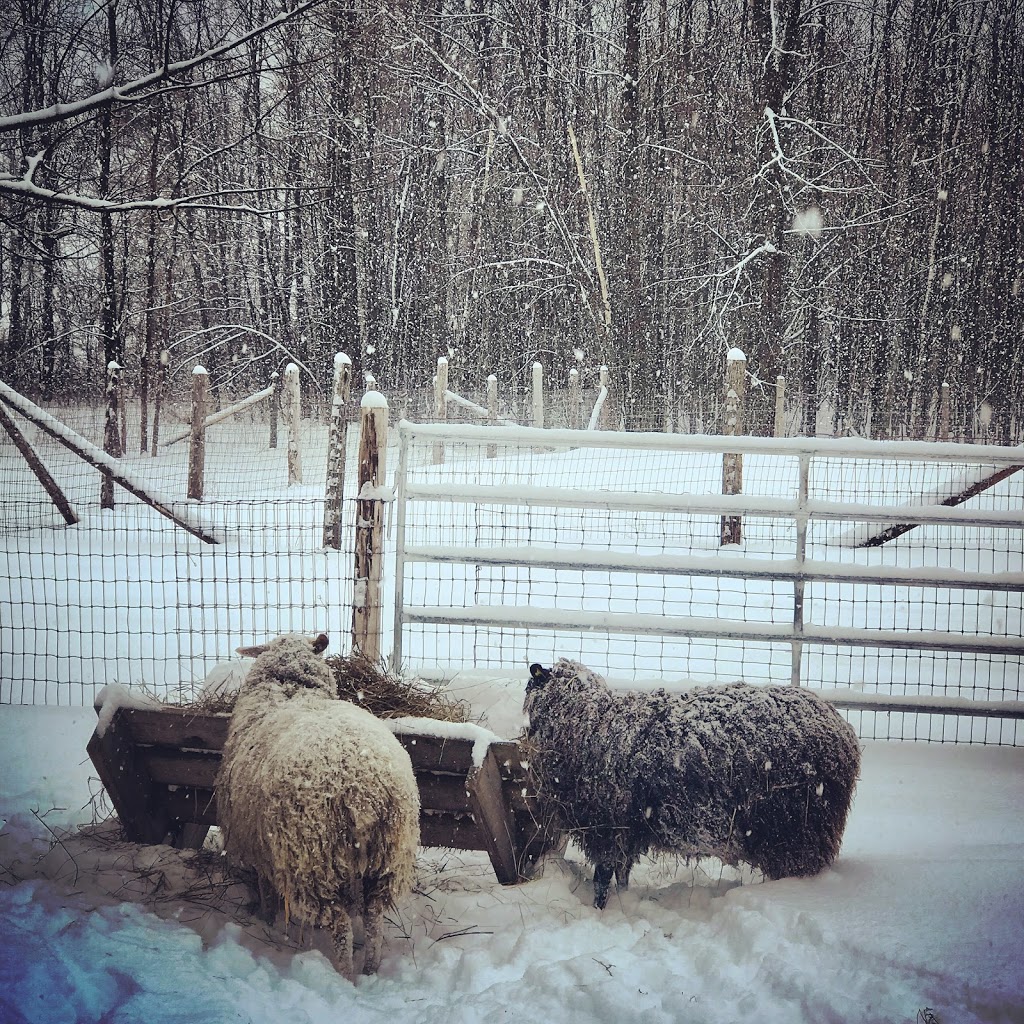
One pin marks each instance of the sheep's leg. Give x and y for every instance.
(622, 871)
(602, 880)
(268, 899)
(341, 930)
(373, 933)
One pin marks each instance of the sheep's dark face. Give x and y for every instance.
(538, 677)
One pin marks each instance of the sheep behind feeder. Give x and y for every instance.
(317, 798)
(762, 775)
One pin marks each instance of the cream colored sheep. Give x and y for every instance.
(318, 798)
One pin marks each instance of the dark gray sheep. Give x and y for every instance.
(762, 775)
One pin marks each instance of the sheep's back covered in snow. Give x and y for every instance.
(762, 775)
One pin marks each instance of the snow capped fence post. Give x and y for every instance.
(492, 411)
(780, 406)
(369, 538)
(944, 412)
(732, 424)
(197, 437)
(275, 402)
(337, 451)
(575, 400)
(161, 390)
(111, 431)
(600, 416)
(537, 391)
(440, 404)
(293, 404)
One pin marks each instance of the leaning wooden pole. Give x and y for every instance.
(99, 459)
(369, 538)
(35, 463)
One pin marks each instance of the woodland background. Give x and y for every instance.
(835, 188)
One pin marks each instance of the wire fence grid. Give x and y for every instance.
(126, 597)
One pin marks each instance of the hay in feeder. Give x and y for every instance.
(372, 687)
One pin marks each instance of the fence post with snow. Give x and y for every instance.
(111, 430)
(293, 404)
(440, 404)
(197, 434)
(369, 536)
(492, 411)
(732, 424)
(337, 451)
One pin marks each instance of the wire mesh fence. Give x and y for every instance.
(126, 597)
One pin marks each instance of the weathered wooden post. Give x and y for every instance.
(607, 420)
(293, 405)
(732, 424)
(50, 485)
(944, 412)
(575, 400)
(537, 392)
(275, 404)
(492, 411)
(161, 390)
(337, 451)
(440, 404)
(369, 537)
(111, 431)
(780, 406)
(197, 437)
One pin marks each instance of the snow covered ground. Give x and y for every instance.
(924, 909)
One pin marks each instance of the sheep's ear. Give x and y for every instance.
(320, 643)
(538, 676)
(251, 652)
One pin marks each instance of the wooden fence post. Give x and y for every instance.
(944, 412)
(440, 404)
(732, 424)
(537, 391)
(111, 431)
(369, 537)
(780, 406)
(575, 400)
(161, 390)
(337, 451)
(492, 411)
(197, 437)
(293, 403)
(605, 379)
(275, 403)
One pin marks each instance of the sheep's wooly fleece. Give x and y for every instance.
(762, 775)
(315, 795)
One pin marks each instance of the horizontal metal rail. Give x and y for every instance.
(817, 447)
(786, 570)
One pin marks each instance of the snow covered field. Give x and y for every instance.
(923, 909)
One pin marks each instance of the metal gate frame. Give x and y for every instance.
(798, 571)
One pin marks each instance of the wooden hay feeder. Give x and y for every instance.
(159, 767)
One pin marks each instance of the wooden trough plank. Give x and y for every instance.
(443, 793)
(450, 831)
(137, 801)
(492, 814)
(180, 767)
(429, 753)
(177, 727)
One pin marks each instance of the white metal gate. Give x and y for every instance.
(807, 571)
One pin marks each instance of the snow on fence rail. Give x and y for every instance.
(805, 607)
